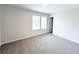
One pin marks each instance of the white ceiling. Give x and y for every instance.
(49, 8)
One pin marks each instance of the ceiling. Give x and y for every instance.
(48, 8)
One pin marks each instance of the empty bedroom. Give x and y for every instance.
(39, 28)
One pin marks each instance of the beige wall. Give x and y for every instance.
(0, 32)
(1, 15)
(66, 25)
(17, 24)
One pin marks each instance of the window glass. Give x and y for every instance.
(35, 22)
(43, 22)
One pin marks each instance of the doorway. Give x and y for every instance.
(51, 24)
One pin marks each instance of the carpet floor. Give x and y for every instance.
(41, 44)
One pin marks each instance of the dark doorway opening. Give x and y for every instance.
(51, 24)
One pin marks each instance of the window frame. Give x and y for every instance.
(40, 22)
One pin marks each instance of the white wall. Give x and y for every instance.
(17, 24)
(66, 25)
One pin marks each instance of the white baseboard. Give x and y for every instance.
(19, 39)
(66, 38)
(9, 41)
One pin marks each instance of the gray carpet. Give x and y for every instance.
(42, 44)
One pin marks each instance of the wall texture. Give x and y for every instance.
(66, 25)
(17, 24)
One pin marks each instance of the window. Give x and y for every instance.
(39, 22)
(35, 22)
(43, 22)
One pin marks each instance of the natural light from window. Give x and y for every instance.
(43, 22)
(35, 22)
(39, 22)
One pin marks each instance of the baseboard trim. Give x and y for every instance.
(20, 39)
(66, 39)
